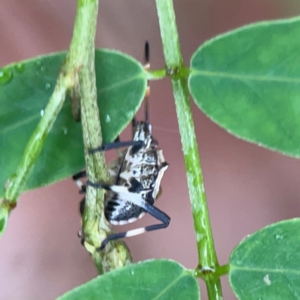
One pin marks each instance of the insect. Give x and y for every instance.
(136, 177)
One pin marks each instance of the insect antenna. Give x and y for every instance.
(147, 94)
(147, 56)
(147, 67)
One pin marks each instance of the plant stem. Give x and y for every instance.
(16, 182)
(207, 257)
(82, 58)
(223, 270)
(156, 74)
(77, 77)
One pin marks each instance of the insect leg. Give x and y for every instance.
(78, 175)
(147, 68)
(136, 199)
(154, 212)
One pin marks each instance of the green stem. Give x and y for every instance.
(207, 257)
(156, 74)
(78, 78)
(223, 270)
(16, 182)
(82, 58)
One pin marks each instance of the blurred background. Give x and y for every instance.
(247, 187)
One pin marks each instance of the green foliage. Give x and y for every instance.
(24, 93)
(153, 279)
(247, 81)
(266, 265)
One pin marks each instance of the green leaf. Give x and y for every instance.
(248, 82)
(24, 91)
(266, 265)
(153, 279)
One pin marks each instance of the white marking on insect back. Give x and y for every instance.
(160, 156)
(124, 194)
(126, 175)
(124, 222)
(158, 180)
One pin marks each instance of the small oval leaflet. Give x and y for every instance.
(153, 279)
(248, 82)
(24, 94)
(267, 264)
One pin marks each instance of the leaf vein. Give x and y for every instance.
(261, 269)
(244, 77)
(168, 286)
(120, 83)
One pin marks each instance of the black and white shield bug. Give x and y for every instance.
(136, 177)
